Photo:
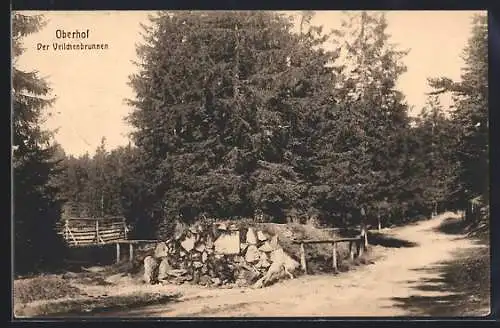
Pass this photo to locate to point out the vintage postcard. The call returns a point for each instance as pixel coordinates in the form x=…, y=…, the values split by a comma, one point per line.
x=250, y=164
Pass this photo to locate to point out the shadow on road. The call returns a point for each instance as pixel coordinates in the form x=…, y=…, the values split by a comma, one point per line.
x=461, y=289
x=376, y=238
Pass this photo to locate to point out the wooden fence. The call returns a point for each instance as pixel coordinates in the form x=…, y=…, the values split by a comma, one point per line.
x=356, y=247
x=79, y=232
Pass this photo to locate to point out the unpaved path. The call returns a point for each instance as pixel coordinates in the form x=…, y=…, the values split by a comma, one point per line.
x=367, y=291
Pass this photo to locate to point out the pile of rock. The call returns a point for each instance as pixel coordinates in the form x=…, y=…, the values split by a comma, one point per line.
x=219, y=254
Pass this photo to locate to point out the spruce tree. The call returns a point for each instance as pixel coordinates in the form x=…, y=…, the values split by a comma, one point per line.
x=221, y=101
x=362, y=153
x=36, y=206
x=470, y=112
x=436, y=156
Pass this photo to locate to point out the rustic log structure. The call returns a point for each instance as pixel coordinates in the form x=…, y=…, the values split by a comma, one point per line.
x=81, y=232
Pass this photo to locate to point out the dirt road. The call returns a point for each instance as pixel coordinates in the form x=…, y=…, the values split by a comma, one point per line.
x=371, y=290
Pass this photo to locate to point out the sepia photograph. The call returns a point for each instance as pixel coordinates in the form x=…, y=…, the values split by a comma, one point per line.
x=170, y=164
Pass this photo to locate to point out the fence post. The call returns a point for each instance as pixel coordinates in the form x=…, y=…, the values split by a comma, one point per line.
x=66, y=230
x=360, y=247
x=334, y=253
x=125, y=229
x=117, y=252
x=351, y=250
x=364, y=234
x=303, y=258
x=97, y=231
x=131, y=252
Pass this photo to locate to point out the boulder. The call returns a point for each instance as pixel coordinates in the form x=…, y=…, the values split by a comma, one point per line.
x=177, y=272
x=188, y=243
x=163, y=269
x=264, y=256
x=200, y=247
x=261, y=236
x=251, y=238
x=266, y=247
x=228, y=243
x=282, y=266
x=204, y=257
x=274, y=242
x=150, y=270
x=280, y=256
x=161, y=250
x=252, y=255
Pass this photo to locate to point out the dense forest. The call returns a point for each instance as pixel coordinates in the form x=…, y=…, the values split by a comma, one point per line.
x=241, y=115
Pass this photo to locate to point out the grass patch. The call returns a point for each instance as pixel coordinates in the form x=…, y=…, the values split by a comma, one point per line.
x=479, y=231
x=471, y=272
x=43, y=288
x=452, y=226
x=88, y=305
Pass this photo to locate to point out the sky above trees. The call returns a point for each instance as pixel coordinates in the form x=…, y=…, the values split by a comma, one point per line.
x=91, y=87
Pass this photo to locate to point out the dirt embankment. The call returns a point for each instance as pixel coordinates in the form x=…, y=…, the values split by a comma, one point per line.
x=412, y=278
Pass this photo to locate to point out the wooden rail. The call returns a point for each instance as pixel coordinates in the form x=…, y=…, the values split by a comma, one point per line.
x=131, y=244
x=356, y=229
x=359, y=242
x=81, y=232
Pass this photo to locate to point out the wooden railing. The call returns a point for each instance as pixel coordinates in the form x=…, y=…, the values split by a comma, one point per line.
x=130, y=244
x=359, y=243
